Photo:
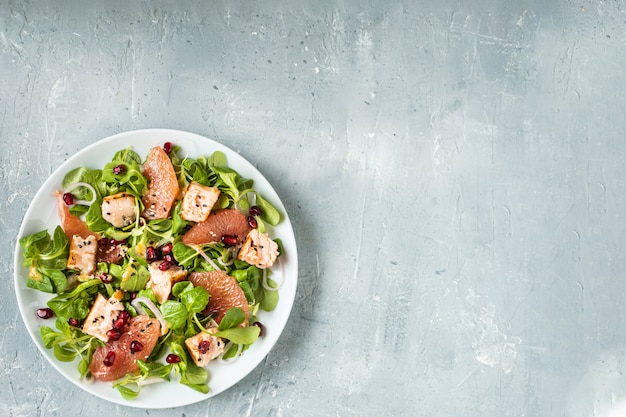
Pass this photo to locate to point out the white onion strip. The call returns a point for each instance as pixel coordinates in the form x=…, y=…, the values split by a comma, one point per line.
x=226, y=349
x=206, y=257
x=232, y=257
x=136, y=303
x=279, y=284
x=82, y=184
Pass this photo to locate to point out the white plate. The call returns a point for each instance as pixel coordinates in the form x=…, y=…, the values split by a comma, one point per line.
x=42, y=215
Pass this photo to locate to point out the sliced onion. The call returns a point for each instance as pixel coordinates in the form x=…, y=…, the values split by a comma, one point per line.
x=206, y=257
x=266, y=285
x=150, y=380
x=82, y=184
x=232, y=257
x=226, y=349
x=251, y=200
x=136, y=303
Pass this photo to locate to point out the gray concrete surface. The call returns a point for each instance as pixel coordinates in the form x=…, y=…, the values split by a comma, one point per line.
x=454, y=173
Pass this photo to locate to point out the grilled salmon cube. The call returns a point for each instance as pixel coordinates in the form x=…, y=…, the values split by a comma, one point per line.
x=83, y=254
x=119, y=209
x=204, y=347
x=102, y=315
x=258, y=249
x=198, y=200
x=161, y=282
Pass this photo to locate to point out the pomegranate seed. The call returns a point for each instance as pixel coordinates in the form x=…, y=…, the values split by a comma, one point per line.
x=255, y=211
x=204, y=346
x=114, y=334
x=136, y=346
x=124, y=315
x=168, y=257
x=167, y=248
x=133, y=295
x=164, y=266
x=167, y=147
x=68, y=198
x=229, y=240
x=73, y=322
x=252, y=222
x=45, y=313
x=118, y=324
x=106, y=278
x=151, y=254
x=116, y=242
x=261, y=327
x=103, y=241
x=119, y=169
x=109, y=359
x=171, y=358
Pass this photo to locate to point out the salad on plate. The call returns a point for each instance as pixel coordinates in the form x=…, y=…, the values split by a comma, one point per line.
x=159, y=266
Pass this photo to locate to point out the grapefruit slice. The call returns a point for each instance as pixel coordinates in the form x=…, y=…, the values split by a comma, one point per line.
x=224, y=293
x=71, y=224
x=229, y=222
x=163, y=187
x=142, y=329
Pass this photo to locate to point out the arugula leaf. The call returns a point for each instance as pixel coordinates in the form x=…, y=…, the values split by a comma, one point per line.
x=76, y=303
x=195, y=299
x=217, y=159
x=68, y=343
x=233, y=318
x=240, y=335
x=46, y=259
x=127, y=156
x=270, y=298
x=146, y=370
x=135, y=276
x=175, y=314
x=94, y=219
x=268, y=211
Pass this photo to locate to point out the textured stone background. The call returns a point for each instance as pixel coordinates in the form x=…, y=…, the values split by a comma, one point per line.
x=454, y=172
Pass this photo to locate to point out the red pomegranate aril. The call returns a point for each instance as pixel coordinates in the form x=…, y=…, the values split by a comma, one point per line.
x=109, y=359
x=118, y=324
x=167, y=147
x=167, y=248
x=106, y=278
x=119, y=169
x=73, y=322
x=229, y=240
x=204, y=346
x=68, y=198
x=116, y=242
x=168, y=257
x=151, y=254
x=103, y=241
x=255, y=211
x=114, y=334
x=124, y=316
x=45, y=313
x=252, y=222
x=136, y=346
x=164, y=266
x=261, y=327
x=171, y=358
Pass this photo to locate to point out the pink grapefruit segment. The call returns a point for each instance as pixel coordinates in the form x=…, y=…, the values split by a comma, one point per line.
x=71, y=224
x=224, y=293
x=163, y=189
x=142, y=329
x=223, y=222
